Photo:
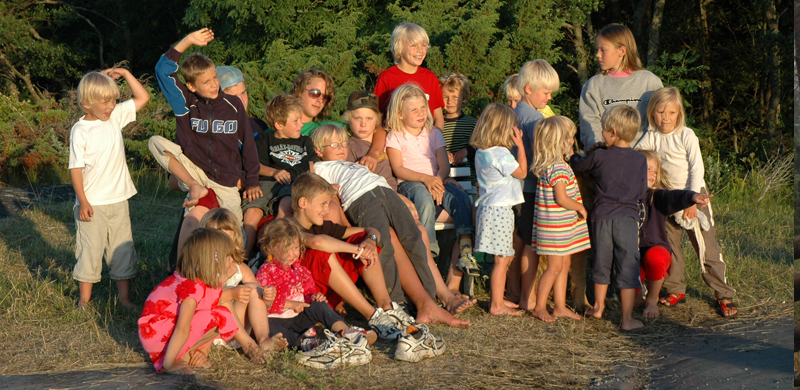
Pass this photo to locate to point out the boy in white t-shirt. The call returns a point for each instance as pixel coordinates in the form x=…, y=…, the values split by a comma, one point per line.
x=102, y=182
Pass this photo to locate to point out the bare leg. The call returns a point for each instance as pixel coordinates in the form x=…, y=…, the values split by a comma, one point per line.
x=560, y=293
x=86, y=293
x=600, y=291
x=497, y=305
x=190, y=222
x=454, y=303
x=514, y=276
x=628, y=322
x=252, y=217
x=555, y=267
x=339, y=326
x=342, y=285
x=196, y=190
x=651, y=302
x=124, y=292
x=529, y=265
x=285, y=208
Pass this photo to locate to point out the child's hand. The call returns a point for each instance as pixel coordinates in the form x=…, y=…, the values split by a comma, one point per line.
x=452, y=181
x=459, y=156
x=85, y=212
x=282, y=177
x=200, y=37
x=268, y=295
x=516, y=136
x=582, y=213
x=367, y=252
x=369, y=162
x=252, y=193
x=701, y=199
x=434, y=183
x=295, y=305
x=690, y=212
x=242, y=294
x=319, y=297
x=116, y=73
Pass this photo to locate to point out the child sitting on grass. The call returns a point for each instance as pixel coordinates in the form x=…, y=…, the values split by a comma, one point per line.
x=242, y=294
x=103, y=183
x=298, y=306
x=181, y=315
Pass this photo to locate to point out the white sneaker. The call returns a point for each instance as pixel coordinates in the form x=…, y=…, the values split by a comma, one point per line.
x=337, y=352
x=220, y=343
x=400, y=316
x=355, y=333
x=387, y=326
x=417, y=343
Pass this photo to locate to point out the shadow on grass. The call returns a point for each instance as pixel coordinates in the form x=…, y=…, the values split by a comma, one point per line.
x=117, y=378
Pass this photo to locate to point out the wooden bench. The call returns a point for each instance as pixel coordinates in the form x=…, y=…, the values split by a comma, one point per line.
x=462, y=176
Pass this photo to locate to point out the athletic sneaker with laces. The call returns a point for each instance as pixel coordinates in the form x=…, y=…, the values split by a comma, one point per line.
x=355, y=332
x=417, y=343
x=338, y=352
x=468, y=264
x=400, y=316
x=386, y=325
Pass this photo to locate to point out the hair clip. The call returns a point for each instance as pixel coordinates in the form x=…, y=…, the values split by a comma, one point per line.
x=216, y=258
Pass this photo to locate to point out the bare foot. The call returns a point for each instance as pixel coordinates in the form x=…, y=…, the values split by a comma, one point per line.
x=255, y=353
x=458, y=304
x=543, y=315
x=339, y=309
x=433, y=314
x=630, y=325
x=504, y=310
x=638, y=301
x=651, y=309
x=196, y=192
x=198, y=359
x=510, y=304
x=274, y=343
x=596, y=312
x=727, y=308
x=567, y=313
x=179, y=368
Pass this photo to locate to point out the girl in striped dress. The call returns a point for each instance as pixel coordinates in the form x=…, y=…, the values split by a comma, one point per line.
x=559, y=219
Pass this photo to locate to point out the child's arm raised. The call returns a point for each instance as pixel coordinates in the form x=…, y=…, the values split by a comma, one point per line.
x=200, y=37
x=140, y=95
x=179, y=337
x=563, y=200
x=522, y=170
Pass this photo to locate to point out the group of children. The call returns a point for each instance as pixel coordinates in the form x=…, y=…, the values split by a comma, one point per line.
x=283, y=217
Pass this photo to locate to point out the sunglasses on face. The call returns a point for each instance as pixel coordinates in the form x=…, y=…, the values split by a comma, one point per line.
x=316, y=94
x=336, y=145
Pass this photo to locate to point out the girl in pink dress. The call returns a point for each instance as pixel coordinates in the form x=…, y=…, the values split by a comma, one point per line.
x=181, y=315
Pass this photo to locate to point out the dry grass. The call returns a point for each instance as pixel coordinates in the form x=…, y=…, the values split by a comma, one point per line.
x=42, y=331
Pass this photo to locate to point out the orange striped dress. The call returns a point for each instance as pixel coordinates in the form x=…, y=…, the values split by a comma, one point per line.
x=556, y=230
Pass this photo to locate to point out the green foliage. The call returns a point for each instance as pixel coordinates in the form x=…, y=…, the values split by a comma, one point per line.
x=679, y=70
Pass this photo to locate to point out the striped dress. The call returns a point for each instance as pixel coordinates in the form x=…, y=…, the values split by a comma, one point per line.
x=556, y=230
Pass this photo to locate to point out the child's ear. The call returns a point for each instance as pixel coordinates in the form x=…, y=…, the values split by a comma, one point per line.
x=528, y=90
x=277, y=126
x=191, y=87
x=319, y=153
x=302, y=202
x=623, y=50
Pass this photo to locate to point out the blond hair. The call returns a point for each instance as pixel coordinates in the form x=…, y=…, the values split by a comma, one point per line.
x=495, y=127
x=279, y=235
x=619, y=36
x=321, y=135
x=399, y=97
x=662, y=182
x=624, y=119
x=302, y=81
x=280, y=107
x=666, y=96
x=96, y=87
x=309, y=185
x=537, y=74
x=203, y=256
x=510, y=87
x=195, y=65
x=415, y=34
x=552, y=137
x=223, y=219
x=455, y=82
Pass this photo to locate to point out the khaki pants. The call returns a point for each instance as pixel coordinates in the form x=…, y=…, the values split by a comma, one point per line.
x=107, y=235
x=715, y=267
x=228, y=197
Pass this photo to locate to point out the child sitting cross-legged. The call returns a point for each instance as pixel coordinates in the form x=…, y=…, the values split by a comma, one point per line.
x=298, y=306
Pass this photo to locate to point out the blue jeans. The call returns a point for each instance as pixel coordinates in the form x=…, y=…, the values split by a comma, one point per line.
x=455, y=201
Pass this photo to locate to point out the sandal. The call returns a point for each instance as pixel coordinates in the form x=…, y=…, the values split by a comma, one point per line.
x=723, y=307
x=672, y=300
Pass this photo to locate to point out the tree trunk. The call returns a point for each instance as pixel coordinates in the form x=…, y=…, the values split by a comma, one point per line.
x=639, y=13
x=655, y=29
x=583, y=58
x=707, y=91
x=774, y=69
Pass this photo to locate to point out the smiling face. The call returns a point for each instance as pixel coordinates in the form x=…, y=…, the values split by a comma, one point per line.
x=206, y=85
x=652, y=173
x=100, y=110
x=666, y=117
x=362, y=123
x=313, y=212
x=452, y=102
x=331, y=153
x=288, y=254
x=539, y=98
x=239, y=91
x=412, y=54
x=313, y=106
x=609, y=56
x=414, y=114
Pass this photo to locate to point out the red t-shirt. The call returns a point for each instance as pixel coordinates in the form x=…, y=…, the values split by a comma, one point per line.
x=393, y=77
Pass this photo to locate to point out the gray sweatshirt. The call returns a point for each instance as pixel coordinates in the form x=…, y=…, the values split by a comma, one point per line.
x=603, y=92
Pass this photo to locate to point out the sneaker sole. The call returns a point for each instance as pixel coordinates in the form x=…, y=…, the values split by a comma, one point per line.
x=352, y=360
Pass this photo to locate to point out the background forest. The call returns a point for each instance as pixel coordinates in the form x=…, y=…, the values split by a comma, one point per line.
x=732, y=60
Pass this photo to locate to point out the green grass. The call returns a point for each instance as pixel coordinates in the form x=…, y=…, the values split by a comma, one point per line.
x=43, y=331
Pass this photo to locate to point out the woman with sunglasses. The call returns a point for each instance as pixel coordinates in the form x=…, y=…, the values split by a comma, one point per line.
x=315, y=90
